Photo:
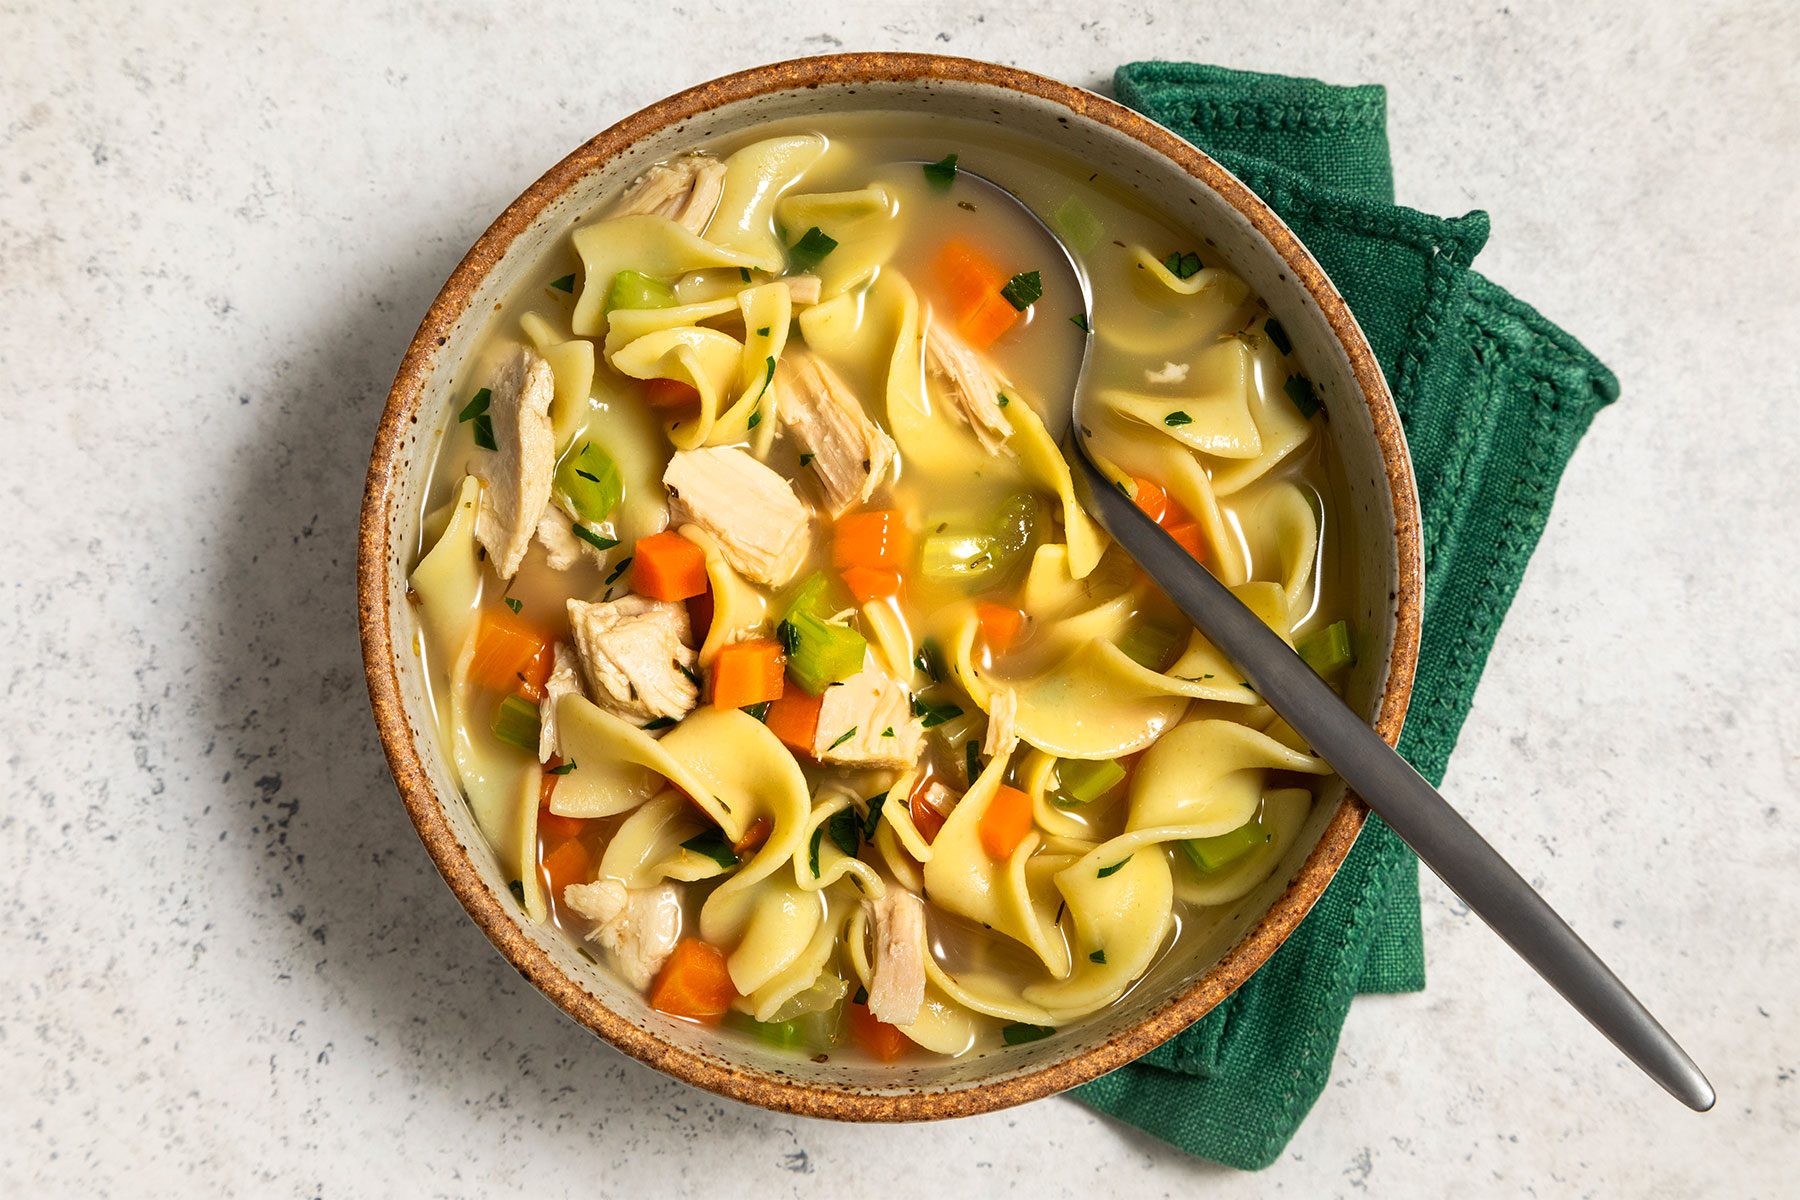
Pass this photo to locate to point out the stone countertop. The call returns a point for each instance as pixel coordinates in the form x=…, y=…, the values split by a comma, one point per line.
x=230, y=968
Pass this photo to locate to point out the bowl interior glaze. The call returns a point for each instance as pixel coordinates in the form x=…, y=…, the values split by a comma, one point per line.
x=1197, y=194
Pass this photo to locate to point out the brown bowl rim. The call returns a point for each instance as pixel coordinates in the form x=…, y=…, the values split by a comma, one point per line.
x=453, y=862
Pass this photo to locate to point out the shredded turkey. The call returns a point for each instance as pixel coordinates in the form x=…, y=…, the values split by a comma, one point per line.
x=897, y=971
x=970, y=383
x=1002, y=734
x=636, y=655
x=850, y=454
x=563, y=548
x=518, y=471
x=565, y=679
x=686, y=191
x=637, y=927
x=762, y=528
x=867, y=721
x=803, y=289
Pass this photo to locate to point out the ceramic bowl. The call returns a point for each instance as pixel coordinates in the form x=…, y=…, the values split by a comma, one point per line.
x=1196, y=192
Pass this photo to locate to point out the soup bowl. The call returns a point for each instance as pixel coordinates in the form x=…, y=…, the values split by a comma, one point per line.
x=1381, y=526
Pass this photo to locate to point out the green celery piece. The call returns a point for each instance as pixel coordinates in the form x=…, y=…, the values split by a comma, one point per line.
x=589, y=479
x=1328, y=649
x=1078, y=224
x=634, y=289
x=818, y=596
x=786, y=1035
x=1212, y=854
x=1151, y=646
x=822, y=653
x=1083, y=781
x=516, y=723
x=822, y=995
x=979, y=555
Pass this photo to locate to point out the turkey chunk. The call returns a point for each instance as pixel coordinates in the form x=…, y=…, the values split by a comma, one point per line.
x=1002, y=734
x=867, y=721
x=565, y=679
x=761, y=526
x=518, y=472
x=851, y=454
x=970, y=383
x=897, y=972
x=635, y=653
x=803, y=289
x=686, y=191
x=637, y=927
x=563, y=548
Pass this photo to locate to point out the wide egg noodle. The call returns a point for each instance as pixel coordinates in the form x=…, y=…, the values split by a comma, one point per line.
x=739, y=609
x=1136, y=449
x=627, y=325
x=572, y=363
x=834, y=864
x=1119, y=916
x=768, y=926
x=767, y=310
x=1280, y=423
x=1210, y=411
x=1283, y=812
x=756, y=177
x=647, y=848
x=805, y=968
x=1045, y=464
x=942, y=1026
x=964, y=879
x=1207, y=777
x=646, y=243
x=865, y=223
x=1281, y=530
x=447, y=581
x=702, y=358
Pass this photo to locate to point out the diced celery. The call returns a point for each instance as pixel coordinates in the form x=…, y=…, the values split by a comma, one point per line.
x=825, y=993
x=975, y=555
x=787, y=1035
x=589, y=478
x=516, y=723
x=1078, y=224
x=821, y=653
x=1216, y=853
x=1083, y=781
x=1151, y=645
x=1328, y=649
x=634, y=289
x=818, y=595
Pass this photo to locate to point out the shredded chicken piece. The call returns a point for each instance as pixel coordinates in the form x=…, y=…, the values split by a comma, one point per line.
x=803, y=289
x=851, y=454
x=565, y=678
x=635, y=652
x=897, y=972
x=1169, y=372
x=867, y=721
x=562, y=548
x=971, y=384
x=686, y=191
x=762, y=528
x=1002, y=734
x=637, y=927
x=518, y=472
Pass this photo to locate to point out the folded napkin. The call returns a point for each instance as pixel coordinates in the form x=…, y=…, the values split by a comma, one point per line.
x=1494, y=399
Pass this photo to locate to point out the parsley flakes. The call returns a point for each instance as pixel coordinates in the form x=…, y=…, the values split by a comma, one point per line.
x=1023, y=290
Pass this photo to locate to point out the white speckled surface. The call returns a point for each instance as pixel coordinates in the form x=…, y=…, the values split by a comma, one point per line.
x=229, y=967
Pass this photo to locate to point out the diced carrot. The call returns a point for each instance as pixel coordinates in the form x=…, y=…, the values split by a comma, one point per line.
x=1000, y=624
x=754, y=837
x=1005, y=822
x=871, y=583
x=666, y=566
x=927, y=818
x=547, y=782
x=971, y=283
x=700, y=615
x=536, y=674
x=670, y=396
x=566, y=862
x=1190, y=537
x=1150, y=496
x=746, y=673
x=553, y=828
x=506, y=646
x=876, y=539
x=693, y=983
x=877, y=1038
x=794, y=718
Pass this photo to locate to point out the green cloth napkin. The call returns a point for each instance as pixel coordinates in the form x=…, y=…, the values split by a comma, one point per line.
x=1494, y=399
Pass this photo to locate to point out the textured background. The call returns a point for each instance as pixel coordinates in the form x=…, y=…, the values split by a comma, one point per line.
x=228, y=966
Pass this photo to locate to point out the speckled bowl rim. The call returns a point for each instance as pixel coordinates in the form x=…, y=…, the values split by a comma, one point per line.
x=374, y=561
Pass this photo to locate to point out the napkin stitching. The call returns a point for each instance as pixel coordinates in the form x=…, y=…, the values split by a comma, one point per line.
x=1462, y=459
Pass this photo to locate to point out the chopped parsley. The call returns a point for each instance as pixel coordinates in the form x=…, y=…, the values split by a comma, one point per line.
x=565, y=284
x=811, y=249
x=1019, y=1034
x=1182, y=266
x=598, y=541
x=762, y=331
x=1103, y=872
x=931, y=715
x=845, y=830
x=513, y=604
x=874, y=817
x=888, y=732
x=744, y=274
x=755, y=417
x=562, y=770
x=861, y=997
x=972, y=760
x=712, y=844
x=813, y=851
x=768, y=374
x=759, y=711
x=484, y=432
x=477, y=405
x=942, y=173
x=660, y=723
x=1098, y=956
x=624, y=564
x=927, y=661
x=789, y=636
x=1300, y=391
x=1080, y=321
x=693, y=676
x=1276, y=334
x=806, y=459
x=1177, y=418
x=841, y=739
x=1023, y=290
x=1002, y=399
x=517, y=889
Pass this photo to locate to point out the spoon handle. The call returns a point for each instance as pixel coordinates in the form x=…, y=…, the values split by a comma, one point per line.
x=1440, y=836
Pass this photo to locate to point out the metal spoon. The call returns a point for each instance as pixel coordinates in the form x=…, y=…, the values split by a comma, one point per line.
x=1440, y=836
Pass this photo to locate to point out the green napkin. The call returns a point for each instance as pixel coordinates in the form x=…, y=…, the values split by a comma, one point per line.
x=1494, y=399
